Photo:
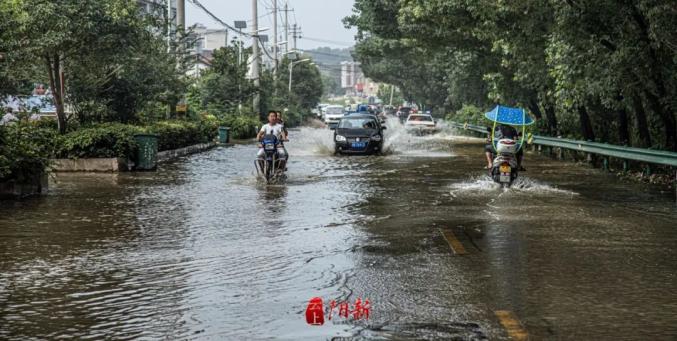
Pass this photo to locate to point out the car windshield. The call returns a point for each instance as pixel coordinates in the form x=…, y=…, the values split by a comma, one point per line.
x=421, y=118
x=358, y=123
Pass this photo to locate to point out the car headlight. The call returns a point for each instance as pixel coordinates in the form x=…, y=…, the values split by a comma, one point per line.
x=376, y=138
x=340, y=138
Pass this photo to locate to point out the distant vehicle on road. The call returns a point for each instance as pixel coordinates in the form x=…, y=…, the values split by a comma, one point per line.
x=389, y=110
x=420, y=124
x=333, y=114
x=359, y=134
x=403, y=113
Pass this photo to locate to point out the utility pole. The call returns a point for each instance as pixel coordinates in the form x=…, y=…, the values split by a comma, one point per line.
x=294, y=32
x=169, y=26
x=286, y=26
x=255, y=59
x=181, y=15
x=275, y=38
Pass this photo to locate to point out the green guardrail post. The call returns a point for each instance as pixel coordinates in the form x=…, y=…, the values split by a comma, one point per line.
x=647, y=170
x=626, y=166
x=224, y=135
x=146, y=154
x=605, y=163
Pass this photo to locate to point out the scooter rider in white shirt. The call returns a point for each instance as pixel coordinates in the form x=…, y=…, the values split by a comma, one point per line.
x=273, y=128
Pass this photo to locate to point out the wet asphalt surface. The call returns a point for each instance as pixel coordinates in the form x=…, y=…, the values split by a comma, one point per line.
x=203, y=250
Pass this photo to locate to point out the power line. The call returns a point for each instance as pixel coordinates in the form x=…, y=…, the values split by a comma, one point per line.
x=324, y=53
x=201, y=6
x=328, y=41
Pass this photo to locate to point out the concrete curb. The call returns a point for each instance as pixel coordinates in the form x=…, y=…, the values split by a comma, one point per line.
x=112, y=165
x=168, y=155
x=104, y=165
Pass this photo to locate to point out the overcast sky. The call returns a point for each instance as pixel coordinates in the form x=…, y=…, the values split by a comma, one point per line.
x=319, y=19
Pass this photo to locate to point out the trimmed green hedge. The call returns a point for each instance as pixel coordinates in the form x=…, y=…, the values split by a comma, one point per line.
x=179, y=134
x=99, y=141
x=109, y=140
x=25, y=148
x=24, y=151
x=241, y=126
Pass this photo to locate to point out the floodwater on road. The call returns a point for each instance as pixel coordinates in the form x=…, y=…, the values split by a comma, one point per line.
x=202, y=250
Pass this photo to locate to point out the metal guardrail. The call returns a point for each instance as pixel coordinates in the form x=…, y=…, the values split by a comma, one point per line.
x=608, y=150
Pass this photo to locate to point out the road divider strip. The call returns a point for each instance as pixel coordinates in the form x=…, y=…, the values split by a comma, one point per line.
x=512, y=325
x=454, y=243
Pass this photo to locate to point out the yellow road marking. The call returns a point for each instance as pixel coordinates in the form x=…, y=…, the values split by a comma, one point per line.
x=454, y=243
x=512, y=325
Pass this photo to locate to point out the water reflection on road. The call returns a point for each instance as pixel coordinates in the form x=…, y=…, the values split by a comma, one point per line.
x=201, y=249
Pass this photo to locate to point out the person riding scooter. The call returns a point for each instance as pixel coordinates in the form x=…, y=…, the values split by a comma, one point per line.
x=286, y=136
x=502, y=131
x=273, y=128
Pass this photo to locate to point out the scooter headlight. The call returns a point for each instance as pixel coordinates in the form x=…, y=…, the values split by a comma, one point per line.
x=376, y=138
x=340, y=138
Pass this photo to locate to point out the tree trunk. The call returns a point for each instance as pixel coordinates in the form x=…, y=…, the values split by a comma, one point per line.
x=654, y=100
x=623, y=133
x=642, y=124
x=54, y=70
x=586, y=125
x=667, y=118
x=552, y=118
x=536, y=110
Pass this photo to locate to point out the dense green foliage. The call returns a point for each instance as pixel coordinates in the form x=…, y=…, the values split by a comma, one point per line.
x=178, y=134
x=241, y=126
x=24, y=151
x=592, y=69
x=107, y=140
x=467, y=114
x=112, y=60
x=99, y=141
x=224, y=88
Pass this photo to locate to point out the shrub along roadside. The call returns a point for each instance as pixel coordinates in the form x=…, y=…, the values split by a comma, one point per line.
x=468, y=114
x=24, y=151
x=25, y=148
x=179, y=134
x=241, y=126
x=117, y=140
x=105, y=140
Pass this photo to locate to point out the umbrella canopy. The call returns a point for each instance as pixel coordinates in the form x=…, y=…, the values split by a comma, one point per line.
x=511, y=116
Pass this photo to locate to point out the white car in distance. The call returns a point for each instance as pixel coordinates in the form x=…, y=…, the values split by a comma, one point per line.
x=420, y=124
x=333, y=114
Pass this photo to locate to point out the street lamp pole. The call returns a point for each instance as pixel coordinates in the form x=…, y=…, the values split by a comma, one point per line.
x=255, y=57
x=275, y=47
x=291, y=68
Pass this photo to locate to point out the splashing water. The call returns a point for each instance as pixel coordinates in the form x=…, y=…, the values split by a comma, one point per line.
x=319, y=141
x=400, y=142
x=307, y=141
x=483, y=185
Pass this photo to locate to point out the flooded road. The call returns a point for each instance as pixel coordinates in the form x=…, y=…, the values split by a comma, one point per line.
x=202, y=250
